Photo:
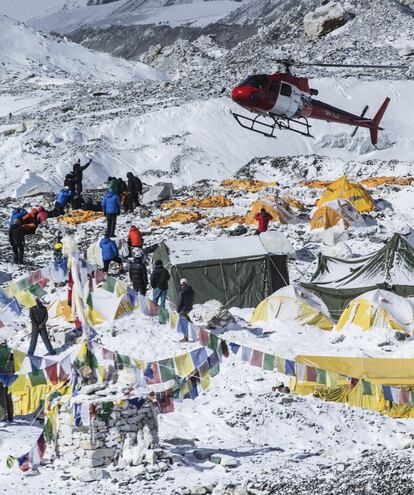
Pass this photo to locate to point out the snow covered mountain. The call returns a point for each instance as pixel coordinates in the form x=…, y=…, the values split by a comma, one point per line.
x=28, y=53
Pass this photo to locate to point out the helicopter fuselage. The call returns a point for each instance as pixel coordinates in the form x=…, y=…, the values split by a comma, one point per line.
x=284, y=96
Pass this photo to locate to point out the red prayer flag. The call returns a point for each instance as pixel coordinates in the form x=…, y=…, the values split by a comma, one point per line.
x=153, y=308
x=312, y=374
x=203, y=335
x=404, y=396
x=52, y=373
x=257, y=358
x=156, y=372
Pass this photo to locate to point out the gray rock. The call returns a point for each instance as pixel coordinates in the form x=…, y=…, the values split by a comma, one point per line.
x=159, y=192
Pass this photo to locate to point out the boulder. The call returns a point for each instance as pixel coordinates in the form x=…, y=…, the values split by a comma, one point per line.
x=407, y=3
x=325, y=19
x=158, y=192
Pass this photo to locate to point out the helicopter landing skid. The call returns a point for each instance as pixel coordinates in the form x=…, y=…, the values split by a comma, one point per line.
x=279, y=123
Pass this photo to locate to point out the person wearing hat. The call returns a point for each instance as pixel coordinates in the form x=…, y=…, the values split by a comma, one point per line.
x=39, y=316
x=6, y=373
x=185, y=300
x=159, y=283
x=138, y=275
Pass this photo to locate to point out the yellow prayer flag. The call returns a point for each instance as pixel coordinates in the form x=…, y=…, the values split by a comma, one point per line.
x=184, y=364
x=173, y=320
x=139, y=363
x=205, y=378
x=18, y=385
x=25, y=299
x=18, y=357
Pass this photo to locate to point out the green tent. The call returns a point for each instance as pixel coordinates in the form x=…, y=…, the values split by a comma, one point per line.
x=236, y=271
x=337, y=281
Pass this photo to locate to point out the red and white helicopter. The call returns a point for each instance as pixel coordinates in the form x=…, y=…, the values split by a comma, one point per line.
x=288, y=102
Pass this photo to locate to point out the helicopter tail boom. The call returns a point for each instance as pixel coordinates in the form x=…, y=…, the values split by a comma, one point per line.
x=376, y=121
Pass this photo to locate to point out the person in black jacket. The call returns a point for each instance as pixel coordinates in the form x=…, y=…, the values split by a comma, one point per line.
x=159, y=282
x=6, y=371
x=78, y=173
x=134, y=190
x=185, y=299
x=38, y=317
x=16, y=238
x=70, y=181
x=138, y=275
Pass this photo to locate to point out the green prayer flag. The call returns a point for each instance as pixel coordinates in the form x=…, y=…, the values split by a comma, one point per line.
x=10, y=461
x=213, y=342
x=48, y=431
x=167, y=369
x=4, y=358
x=36, y=290
x=122, y=359
x=89, y=300
x=23, y=284
x=366, y=388
x=163, y=315
x=109, y=284
x=321, y=376
x=37, y=377
x=412, y=397
x=268, y=362
x=105, y=411
x=215, y=370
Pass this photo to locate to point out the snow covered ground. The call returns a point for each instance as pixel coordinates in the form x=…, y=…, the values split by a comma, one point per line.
x=67, y=102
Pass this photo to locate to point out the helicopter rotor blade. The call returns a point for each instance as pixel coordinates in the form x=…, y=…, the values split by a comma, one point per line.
x=356, y=66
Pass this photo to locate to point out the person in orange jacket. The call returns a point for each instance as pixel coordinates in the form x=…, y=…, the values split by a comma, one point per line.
x=30, y=222
x=135, y=239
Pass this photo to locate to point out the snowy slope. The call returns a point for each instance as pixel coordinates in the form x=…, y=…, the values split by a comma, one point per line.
x=22, y=10
x=28, y=53
x=68, y=15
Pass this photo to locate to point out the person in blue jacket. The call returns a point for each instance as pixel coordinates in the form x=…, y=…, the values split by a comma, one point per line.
x=110, y=253
x=111, y=205
x=62, y=199
x=17, y=214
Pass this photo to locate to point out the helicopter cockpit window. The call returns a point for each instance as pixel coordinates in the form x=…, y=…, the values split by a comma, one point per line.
x=259, y=82
x=285, y=90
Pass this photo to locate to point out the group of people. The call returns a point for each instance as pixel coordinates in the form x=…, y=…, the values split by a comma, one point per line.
x=120, y=196
x=22, y=223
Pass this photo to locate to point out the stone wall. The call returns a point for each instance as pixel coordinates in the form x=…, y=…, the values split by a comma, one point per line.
x=128, y=437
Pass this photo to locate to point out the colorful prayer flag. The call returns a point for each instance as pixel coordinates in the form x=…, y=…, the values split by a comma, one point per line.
x=167, y=369
x=184, y=364
x=257, y=358
x=37, y=378
x=268, y=362
x=199, y=357
x=366, y=388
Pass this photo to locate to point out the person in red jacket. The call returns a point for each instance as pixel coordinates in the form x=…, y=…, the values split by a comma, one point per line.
x=134, y=238
x=263, y=219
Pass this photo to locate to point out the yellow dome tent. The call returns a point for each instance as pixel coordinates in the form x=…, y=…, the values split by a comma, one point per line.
x=294, y=303
x=275, y=206
x=351, y=191
x=333, y=212
x=378, y=309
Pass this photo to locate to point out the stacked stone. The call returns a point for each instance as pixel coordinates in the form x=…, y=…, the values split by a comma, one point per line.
x=88, y=449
